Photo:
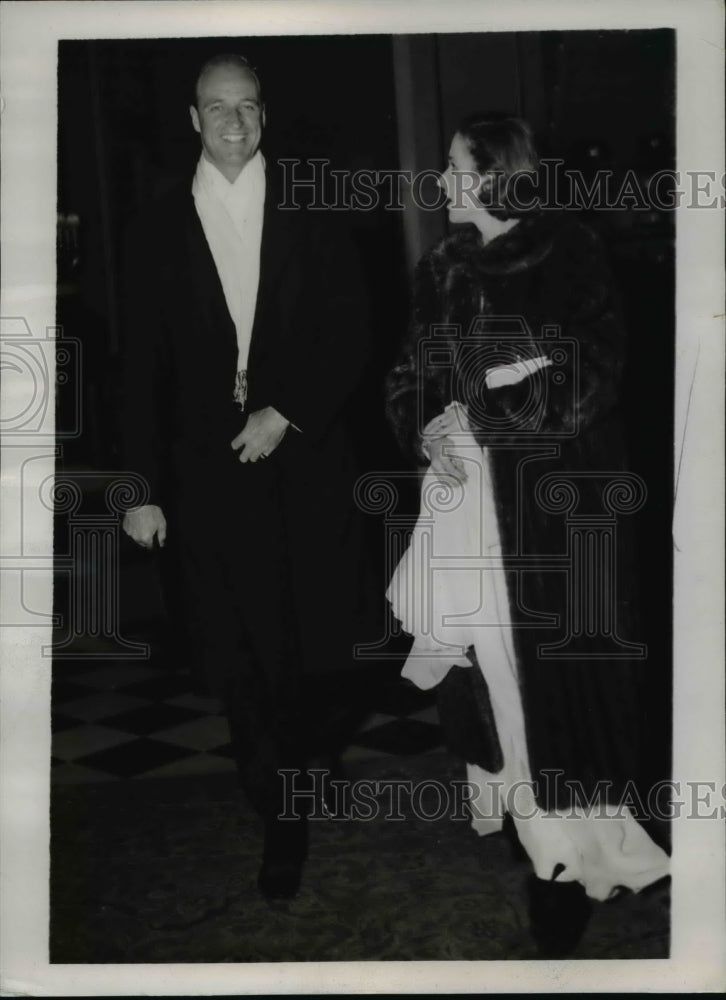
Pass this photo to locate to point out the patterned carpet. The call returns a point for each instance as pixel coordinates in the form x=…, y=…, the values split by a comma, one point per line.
x=164, y=871
x=154, y=851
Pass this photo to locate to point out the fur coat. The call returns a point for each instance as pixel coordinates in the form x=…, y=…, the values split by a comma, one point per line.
x=562, y=489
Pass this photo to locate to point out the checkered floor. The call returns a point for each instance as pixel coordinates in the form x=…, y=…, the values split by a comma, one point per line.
x=125, y=719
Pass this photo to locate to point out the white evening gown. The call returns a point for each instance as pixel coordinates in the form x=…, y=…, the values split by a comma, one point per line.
x=449, y=592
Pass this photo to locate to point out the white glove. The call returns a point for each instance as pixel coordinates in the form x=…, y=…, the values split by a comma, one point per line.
x=503, y=375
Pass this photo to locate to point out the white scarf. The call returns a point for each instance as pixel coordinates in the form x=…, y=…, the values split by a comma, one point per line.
x=231, y=217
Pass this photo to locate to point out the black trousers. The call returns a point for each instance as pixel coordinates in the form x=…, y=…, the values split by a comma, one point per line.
x=232, y=552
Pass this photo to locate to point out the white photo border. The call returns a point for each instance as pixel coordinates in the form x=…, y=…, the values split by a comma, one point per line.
x=30, y=35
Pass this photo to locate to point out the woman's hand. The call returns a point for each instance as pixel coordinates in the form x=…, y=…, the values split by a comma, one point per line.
x=443, y=462
x=438, y=444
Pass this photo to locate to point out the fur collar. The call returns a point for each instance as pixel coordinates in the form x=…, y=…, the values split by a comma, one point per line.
x=522, y=247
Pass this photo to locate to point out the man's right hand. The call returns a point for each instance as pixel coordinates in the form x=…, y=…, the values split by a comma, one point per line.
x=143, y=523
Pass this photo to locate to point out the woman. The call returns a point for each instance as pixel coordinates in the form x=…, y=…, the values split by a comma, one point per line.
x=516, y=585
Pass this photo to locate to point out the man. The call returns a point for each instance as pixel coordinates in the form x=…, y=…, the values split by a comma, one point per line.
x=243, y=338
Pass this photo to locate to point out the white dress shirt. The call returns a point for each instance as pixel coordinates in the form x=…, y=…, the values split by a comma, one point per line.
x=231, y=216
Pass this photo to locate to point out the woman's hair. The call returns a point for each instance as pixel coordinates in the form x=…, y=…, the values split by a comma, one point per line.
x=503, y=148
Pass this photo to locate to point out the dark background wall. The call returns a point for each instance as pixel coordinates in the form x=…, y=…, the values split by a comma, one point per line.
x=600, y=99
x=125, y=134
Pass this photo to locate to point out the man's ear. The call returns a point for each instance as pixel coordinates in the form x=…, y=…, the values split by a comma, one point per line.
x=195, y=118
x=264, y=116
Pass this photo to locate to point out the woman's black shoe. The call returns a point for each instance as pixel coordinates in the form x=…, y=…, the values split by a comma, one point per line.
x=559, y=913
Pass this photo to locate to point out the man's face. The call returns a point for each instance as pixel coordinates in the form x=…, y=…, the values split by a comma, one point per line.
x=229, y=118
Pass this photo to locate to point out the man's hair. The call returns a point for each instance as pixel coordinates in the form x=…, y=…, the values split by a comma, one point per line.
x=225, y=59
x=502, y=145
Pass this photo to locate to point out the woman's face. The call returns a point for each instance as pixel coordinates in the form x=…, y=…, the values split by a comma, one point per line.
x=460, y=182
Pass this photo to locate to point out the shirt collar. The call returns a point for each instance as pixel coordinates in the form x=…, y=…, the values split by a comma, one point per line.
x=243, y=182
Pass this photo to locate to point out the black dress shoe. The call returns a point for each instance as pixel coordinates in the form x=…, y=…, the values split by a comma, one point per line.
x=559, y=913
x=284, y=854
x=279, y=879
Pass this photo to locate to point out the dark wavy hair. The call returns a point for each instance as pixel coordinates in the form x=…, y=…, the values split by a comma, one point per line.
x=504, y=152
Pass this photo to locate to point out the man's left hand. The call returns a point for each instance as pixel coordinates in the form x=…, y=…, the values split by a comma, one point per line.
x=261, y=435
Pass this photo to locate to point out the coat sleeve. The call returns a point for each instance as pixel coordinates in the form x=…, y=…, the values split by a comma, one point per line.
x=576, y=295
x=322, y=367
x=142, y=381
x=414, y=393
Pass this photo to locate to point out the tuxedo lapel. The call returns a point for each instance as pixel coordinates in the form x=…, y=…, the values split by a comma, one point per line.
x=204, y=280
x=279, y=230
x=279, y=237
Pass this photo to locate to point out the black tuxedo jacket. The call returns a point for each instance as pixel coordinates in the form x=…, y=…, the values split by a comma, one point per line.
x=309, y=341
x=308, y=349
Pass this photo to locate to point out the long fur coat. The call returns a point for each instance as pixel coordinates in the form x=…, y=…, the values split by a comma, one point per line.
x=562, y=490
